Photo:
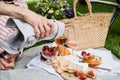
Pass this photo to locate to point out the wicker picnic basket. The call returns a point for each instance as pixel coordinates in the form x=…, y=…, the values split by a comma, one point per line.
x=89, y=30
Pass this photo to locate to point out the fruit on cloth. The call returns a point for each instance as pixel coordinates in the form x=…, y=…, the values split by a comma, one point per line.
x=45, y=48
x=83, y=53
x=63, y=51
x=49, y=51
x=91, y=74
x=83, y=76
x=91, y=59
x=77, y=73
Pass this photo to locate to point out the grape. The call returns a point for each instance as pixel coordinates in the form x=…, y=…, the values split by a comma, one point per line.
x=45, y=48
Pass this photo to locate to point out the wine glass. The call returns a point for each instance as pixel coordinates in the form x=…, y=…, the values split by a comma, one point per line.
x=61, y=40
x=72, y=44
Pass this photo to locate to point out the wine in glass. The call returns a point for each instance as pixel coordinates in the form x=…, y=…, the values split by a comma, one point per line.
x=72, y=44
x=61, y=40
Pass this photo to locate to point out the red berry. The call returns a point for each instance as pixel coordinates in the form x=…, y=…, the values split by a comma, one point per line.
x=91, y=73
x=54, y=49
x=83, y=76
x=53, y=53
x=46, y=52
x=49, y=54
x=88, y=54
x=50, y=49
x=45, y=48
x=77, y=73
x=83, y=53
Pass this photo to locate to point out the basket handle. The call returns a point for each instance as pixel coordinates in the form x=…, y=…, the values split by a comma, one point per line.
x=88, y=4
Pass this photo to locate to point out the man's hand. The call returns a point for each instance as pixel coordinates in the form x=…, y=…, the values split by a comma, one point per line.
x=8, y=62
x=42, y=26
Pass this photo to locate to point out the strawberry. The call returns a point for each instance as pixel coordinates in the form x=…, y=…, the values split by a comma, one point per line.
x=77, y=73
x=45, y=48
x=55, y=49
x=49, y=54
x=54, y=53
x=46, y=52
x=88, y=54
x=83, y=76
x=83, y=53
x=91, y=73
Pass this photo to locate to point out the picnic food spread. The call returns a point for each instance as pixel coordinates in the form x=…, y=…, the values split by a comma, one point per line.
x=63, y=61
x=92, y=60
x=70, y=70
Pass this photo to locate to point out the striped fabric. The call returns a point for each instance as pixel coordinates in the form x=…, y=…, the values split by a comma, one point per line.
x=4, y=31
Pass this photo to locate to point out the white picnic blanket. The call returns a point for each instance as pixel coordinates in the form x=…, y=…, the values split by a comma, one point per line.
x=20, y=72
x=35, y=71
x=109, y=62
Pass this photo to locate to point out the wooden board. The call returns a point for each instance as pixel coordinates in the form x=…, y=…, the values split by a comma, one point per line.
x=71, y=76
x=68, y=76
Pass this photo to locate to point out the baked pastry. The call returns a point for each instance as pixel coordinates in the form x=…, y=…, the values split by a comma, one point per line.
x=63, y=51
x=92, y=60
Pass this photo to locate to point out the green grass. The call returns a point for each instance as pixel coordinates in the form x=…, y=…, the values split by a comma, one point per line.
x=31, y=5
x=113, y=37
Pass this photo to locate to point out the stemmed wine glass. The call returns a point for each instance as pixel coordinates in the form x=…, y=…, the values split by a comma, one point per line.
x=61, y=40
x=72, y=44
x=67, y=43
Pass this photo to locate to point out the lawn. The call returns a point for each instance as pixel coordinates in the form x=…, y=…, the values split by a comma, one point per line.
x=113, y=37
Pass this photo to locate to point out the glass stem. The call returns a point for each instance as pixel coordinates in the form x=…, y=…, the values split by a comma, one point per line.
x=72, y=51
